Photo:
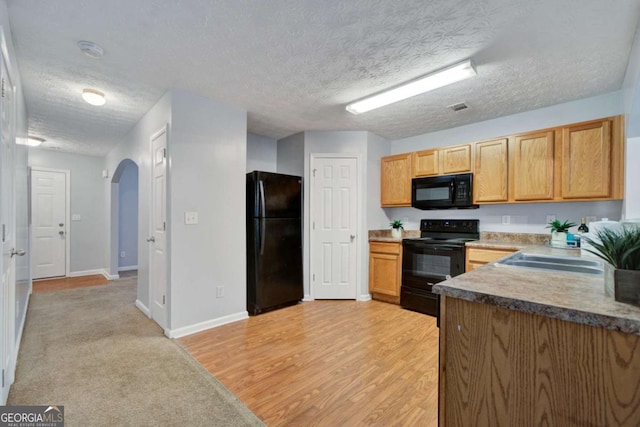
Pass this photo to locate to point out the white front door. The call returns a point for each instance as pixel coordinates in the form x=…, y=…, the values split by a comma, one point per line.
x=7, y=234
x=334, y=201
x=49, y=222
x=158, y=255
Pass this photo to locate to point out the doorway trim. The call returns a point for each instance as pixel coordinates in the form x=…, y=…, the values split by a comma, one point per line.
x=67, y=207
x=360, y=223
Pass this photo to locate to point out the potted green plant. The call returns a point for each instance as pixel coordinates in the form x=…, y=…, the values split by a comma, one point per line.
x=621, y=251
x=559, y=231
x=396, y=228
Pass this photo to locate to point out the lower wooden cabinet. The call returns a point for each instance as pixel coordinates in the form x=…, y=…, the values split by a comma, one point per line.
x=476, y=257
x=385, y=271
x=500, y=367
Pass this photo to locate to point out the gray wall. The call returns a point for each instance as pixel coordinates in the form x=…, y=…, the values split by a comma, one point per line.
x=525, y=218
x=88, y=237
x=262, y=153
x=128, y=217
x=290, y=156
x=631, y=93
x=208, y=152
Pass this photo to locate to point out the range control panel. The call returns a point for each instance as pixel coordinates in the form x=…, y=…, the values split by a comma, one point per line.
x=450, y=225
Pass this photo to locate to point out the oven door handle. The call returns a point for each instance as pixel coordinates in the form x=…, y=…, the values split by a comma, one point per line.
x=437, y=246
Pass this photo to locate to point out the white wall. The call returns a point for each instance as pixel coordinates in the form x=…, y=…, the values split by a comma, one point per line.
x=631, y=93
x=262, y=153
x=525, y=218
x=377, y=147
x=128, y=217
x=208, y=152
x=88, y=236
x=135, y=146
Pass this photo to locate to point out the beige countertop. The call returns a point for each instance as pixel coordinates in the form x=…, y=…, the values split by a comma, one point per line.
x=567, y=296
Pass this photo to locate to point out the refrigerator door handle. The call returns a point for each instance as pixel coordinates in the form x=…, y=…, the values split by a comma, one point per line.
x=262, y=208
x=262, y=235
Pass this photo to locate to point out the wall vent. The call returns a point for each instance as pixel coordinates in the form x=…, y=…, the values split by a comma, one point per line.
x=459, y=106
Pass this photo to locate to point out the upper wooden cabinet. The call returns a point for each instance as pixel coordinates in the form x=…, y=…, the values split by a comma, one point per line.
x=442, y=161
x=586, y=160
x=426, y=163
x=491, y=171
x=531, y=174
x=456, y=159
x=395, y=180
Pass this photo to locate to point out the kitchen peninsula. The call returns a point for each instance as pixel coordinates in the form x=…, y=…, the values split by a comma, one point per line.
x=530, y=347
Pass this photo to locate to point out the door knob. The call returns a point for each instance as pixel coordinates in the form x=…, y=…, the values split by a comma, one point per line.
x=353, y=236
x=61, y=233
x=61, y=224
x=151, y=239
x=19, y=252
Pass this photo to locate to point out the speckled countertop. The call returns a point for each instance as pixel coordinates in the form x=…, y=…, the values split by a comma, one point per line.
x=385, y=235
x=567, y=296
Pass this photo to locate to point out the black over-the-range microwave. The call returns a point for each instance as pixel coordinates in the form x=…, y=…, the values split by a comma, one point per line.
x=443, y=192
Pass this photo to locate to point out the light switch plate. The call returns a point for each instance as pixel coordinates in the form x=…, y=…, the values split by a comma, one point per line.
x=191, y=218
x=75, y=217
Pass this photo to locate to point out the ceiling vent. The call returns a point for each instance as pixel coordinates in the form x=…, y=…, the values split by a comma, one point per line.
x=458, y=107
x=91, y=49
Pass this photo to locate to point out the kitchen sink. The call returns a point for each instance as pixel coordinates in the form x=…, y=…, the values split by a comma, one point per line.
x=553, y=263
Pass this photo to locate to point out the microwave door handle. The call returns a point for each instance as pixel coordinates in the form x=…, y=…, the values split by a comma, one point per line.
x=452, y=192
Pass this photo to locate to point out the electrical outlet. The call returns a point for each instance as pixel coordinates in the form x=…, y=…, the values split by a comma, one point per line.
x=506, y=219
x=590, y=219
x=191, y=218
x=219, y=291
x=551, y=218
x=122, y=254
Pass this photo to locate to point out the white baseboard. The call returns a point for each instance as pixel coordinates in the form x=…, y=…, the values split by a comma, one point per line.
x=102, y=271
x=143, y=308
x=364, y=297
x=128, y=268
x=308, y=298
x=202, y=326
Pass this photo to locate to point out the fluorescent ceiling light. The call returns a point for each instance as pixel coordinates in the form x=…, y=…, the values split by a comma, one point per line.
x=93, y=97
x=32, y=141
x=423, y=84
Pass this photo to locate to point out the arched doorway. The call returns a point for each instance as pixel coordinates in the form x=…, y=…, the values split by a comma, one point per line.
x=124, y=218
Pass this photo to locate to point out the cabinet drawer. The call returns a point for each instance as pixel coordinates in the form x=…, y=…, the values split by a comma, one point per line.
x=385, y=247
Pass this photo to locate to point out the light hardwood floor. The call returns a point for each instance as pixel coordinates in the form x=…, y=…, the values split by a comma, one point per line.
x=48, y=285
x=328, y=363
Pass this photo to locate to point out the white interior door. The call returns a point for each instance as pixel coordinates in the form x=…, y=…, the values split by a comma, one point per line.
x=8, y=235
x=49, y=221
x=157, y=240
x=334, y=202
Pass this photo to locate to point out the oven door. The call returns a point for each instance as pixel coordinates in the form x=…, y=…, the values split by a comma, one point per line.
x=425, y=263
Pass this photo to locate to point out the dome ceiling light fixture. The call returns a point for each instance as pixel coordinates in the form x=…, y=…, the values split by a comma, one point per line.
x=94, y=97
x=32, y=141
x=91, y=49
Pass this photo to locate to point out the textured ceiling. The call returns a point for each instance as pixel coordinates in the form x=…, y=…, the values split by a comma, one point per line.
x=294, y=64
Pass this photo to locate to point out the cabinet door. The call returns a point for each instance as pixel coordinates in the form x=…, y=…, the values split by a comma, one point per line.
x=395, y=180
x=586, y=160
x=385, y=268
x=456, y=159
x=490, y=173
x=426, y=163
x=532, y=170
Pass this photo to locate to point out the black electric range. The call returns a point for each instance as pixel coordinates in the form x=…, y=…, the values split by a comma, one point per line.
x=437, y=255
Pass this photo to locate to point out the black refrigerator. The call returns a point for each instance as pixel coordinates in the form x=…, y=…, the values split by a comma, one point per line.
x=274, y=241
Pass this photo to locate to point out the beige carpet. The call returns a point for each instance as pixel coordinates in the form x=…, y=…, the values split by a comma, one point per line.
x=92, y=351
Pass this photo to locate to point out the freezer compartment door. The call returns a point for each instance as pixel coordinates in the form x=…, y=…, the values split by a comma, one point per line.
x=272, y=195
x=277, y=259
